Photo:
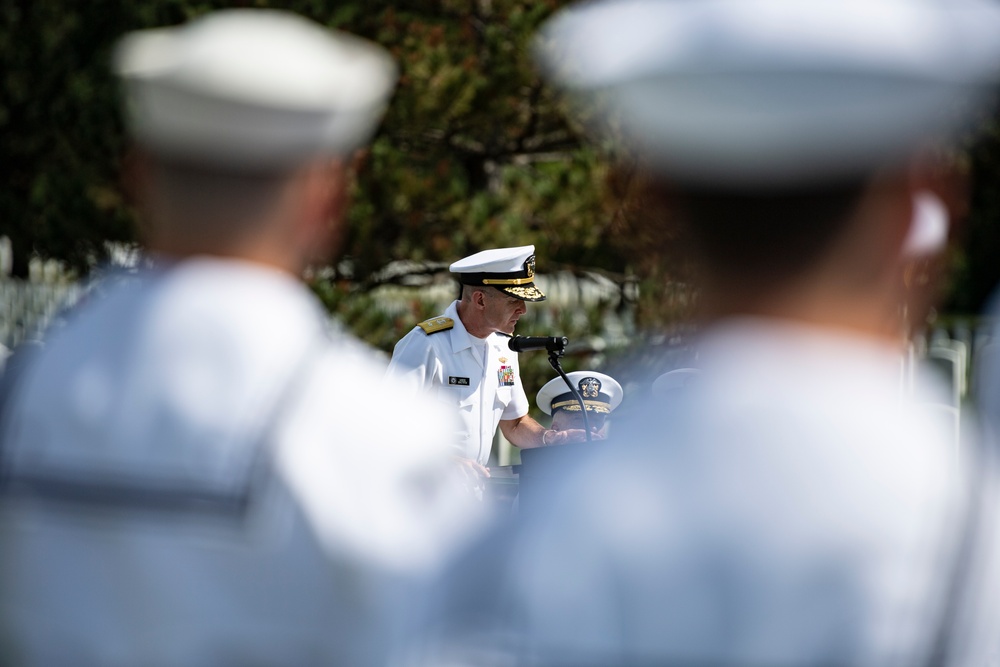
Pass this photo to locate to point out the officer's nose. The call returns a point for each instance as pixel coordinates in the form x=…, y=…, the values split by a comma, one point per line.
x=521, y=308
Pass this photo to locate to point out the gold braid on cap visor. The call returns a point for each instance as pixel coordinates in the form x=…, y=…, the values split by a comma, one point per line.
x=574, y=406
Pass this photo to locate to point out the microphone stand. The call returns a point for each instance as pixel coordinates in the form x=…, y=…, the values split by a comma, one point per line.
x=554, y=362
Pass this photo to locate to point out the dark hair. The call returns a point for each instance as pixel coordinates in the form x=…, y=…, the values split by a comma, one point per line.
x=764, y=234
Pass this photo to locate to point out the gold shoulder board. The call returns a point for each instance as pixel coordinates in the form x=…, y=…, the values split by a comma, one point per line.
x=436, y=324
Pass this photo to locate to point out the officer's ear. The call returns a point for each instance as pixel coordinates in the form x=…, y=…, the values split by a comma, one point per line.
x=479, y=298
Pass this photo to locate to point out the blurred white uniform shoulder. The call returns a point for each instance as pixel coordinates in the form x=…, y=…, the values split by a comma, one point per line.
x=197, y=470
x=791, y=505
x=218, y=434
x=727, y=499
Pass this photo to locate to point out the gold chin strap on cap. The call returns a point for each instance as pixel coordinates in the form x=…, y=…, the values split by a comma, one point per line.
x=573, y=406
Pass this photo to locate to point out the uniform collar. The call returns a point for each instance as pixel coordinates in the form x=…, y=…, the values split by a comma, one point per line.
x=461, y=339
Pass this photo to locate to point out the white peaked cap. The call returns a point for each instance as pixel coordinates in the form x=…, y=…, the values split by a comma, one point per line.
x=494, y=260
x=556, y=395
x=253, y=87
x=510, y=270
x=773, y=91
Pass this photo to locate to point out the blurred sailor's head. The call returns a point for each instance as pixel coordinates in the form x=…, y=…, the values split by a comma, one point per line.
x=600, y=393
x=247, y=122
x=780, y=134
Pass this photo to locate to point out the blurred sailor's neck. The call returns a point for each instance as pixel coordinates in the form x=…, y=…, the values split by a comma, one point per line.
x=856, y=286
x=296, y=220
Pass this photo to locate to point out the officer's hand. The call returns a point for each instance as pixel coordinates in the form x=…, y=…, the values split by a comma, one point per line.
x=570, y=436
x=472, y=468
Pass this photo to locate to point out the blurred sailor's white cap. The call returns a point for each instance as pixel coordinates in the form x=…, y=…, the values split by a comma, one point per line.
x=253, y=87
x=767, y=91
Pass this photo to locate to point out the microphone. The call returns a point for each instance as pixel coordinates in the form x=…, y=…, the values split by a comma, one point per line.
x=528, y=343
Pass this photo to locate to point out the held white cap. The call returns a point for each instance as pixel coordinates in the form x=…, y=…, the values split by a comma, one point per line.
x=601, y=393
x=774, y=91
x=253, y=87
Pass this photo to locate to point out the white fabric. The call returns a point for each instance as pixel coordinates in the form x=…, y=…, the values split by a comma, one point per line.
x=789, y=508
x=175, y=381
x=426, y=362
x=494, y=260
x=773, y=91
x=253, y=87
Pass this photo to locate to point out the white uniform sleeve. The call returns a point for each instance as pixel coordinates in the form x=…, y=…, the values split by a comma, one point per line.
x=379, y=480
x=413, y=361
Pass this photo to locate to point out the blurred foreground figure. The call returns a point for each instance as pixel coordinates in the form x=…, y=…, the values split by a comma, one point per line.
x=793, y=505
x=194, y=471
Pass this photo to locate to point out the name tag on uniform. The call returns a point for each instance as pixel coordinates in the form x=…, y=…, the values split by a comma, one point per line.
x=458, y=381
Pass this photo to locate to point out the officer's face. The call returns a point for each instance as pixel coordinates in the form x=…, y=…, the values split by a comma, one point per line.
x=564, y=420
x=503, y=311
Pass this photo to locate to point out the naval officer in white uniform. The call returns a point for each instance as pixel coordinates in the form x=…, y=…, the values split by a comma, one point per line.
x=462, y=359
x=191, y=472
x=794, y=505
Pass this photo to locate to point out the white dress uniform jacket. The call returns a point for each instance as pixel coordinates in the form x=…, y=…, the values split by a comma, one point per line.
x=197, y=471
x=450, y=366
x=793, y=507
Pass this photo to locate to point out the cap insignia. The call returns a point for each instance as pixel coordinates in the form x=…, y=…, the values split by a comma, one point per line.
x=590, y=387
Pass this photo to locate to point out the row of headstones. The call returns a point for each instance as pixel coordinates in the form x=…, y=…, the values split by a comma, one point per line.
x=6, y=257
x=953, y=352
x=39, y=270
x=27, y=308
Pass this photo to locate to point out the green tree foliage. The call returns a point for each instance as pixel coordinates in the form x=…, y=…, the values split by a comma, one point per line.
x=474, y=151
